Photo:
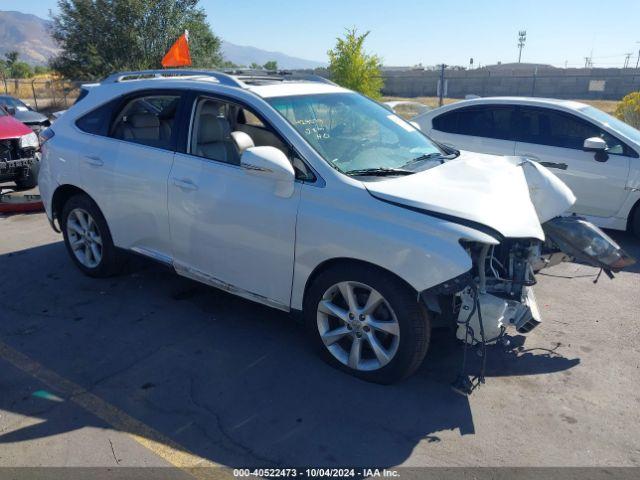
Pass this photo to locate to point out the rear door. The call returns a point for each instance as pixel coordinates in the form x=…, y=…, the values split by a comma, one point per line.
x=478, y=128
x=555, y=139
x=125, y=166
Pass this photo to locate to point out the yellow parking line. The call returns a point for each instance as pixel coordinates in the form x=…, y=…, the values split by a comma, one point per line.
x=146, y=436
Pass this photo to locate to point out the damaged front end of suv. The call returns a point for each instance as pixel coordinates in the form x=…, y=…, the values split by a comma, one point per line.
x=524, y=208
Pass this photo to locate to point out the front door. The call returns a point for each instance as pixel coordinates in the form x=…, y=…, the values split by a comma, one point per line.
x=555, y=139
x=230, y=228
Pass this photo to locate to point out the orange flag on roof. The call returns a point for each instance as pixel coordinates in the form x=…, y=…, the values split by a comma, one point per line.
x=178, y=55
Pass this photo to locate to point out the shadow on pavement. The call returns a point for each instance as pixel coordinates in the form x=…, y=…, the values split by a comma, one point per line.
x=229, y=380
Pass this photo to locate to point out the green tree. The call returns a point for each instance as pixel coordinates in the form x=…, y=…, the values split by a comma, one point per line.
x=353, y=68
x=40, y=70
x=271, y=65
x=98, y=37
x=255, y=66
x=11, y=57
x=20, y=70
x=13, y=68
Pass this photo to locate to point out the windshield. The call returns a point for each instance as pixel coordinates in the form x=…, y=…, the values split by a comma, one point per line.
x=354, y=133
x=613, y=123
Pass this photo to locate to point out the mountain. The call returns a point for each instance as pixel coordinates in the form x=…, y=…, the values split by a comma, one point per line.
x=245, y=55
x=28, y=35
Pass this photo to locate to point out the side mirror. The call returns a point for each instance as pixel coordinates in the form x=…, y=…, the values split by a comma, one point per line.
x=594, y=144
x=270, y=162
x=11, y=110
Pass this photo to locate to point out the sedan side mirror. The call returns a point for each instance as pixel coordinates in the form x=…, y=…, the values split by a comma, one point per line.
x=594, y=144
x=598, y=146
x=270, y=162
x=11, y=110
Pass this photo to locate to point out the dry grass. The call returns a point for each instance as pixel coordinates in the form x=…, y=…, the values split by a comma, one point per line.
x=607, y=106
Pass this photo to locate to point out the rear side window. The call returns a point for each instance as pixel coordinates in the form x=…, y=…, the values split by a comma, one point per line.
x=482, y=121
x=147, y=120
x=96, y=121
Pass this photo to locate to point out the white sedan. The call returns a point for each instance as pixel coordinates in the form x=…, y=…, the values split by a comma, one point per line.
x=595, y=154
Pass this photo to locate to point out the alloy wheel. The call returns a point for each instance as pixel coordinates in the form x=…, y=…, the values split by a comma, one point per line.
x=84, y=237
x=358, y=326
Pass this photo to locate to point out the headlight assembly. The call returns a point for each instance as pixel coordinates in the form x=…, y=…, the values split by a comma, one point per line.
x=30, y=140
x=582, y=240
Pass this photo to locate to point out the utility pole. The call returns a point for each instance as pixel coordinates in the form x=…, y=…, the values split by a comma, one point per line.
x=522, y=37
x=627, y=57
x=441, y=89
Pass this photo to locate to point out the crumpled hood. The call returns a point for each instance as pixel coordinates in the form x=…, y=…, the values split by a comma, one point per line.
x=511, y=195
x=28, y=116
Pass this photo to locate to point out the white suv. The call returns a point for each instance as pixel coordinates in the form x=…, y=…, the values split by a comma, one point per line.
x=306, y=196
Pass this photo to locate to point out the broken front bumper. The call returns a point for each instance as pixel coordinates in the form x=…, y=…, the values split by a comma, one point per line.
x=497, y=315
x=9, y=169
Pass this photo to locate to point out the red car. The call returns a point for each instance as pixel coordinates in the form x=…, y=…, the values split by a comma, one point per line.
x=19, y=156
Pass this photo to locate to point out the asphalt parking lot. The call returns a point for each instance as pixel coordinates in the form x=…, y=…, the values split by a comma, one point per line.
x=151, y=369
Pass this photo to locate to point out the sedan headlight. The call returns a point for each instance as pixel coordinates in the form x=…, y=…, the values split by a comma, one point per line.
x=30, y=140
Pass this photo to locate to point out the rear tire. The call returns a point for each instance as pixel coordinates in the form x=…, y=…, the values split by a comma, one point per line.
x=88, y=239
x=30, y=179
x=390, y=340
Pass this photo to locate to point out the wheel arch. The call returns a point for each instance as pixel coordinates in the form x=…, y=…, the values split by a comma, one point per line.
x=62, y=194
x=632, y=213
x=341, y=261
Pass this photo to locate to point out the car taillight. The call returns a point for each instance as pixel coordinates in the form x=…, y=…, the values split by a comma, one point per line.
x=46, y=135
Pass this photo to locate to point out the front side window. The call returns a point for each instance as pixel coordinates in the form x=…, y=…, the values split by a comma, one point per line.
x=211, y=133
x=353, y=133
x=558, y=129
x=147, y=120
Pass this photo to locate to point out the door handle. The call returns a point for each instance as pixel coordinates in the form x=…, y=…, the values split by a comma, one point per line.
x=185, y=184
x=94, y=160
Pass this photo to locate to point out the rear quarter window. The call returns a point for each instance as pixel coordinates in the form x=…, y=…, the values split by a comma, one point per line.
x=96, y=121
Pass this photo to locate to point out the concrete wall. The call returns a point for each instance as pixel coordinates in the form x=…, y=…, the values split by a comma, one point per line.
x=557, y=83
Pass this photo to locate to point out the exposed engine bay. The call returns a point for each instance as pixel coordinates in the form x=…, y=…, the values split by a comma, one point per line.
x=497, y=293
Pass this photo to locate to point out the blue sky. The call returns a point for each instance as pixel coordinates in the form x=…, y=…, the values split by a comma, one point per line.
x=407, y=32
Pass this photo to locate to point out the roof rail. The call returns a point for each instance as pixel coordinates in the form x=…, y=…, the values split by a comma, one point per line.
x=258, y=76
x=222, y=78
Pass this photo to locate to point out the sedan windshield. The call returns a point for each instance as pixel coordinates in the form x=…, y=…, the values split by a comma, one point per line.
x=613, y=123
x=358, y=136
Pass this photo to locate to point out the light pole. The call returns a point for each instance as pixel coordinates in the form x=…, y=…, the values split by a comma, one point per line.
x=522, y=37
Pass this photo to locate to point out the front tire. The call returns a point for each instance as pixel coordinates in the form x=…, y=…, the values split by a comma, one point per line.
x=87, y=238
x=367, y=322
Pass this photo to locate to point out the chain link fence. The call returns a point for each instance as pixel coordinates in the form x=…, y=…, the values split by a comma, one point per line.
x=43, y=94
